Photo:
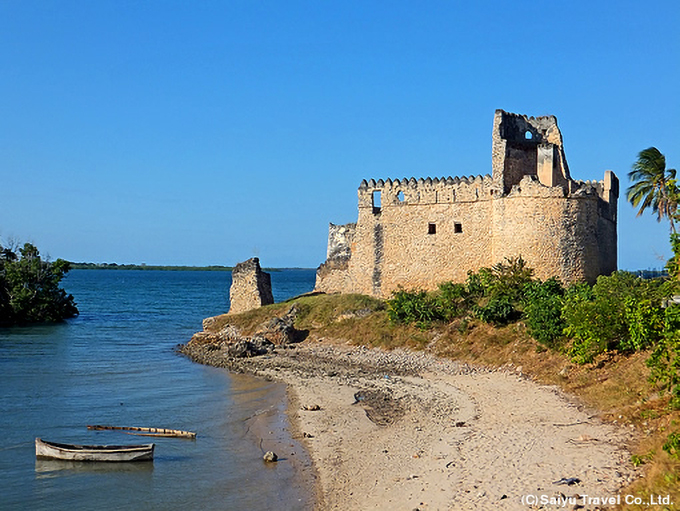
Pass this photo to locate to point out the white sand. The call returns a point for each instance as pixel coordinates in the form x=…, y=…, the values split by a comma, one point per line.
x=466, y=439
x=405, y=430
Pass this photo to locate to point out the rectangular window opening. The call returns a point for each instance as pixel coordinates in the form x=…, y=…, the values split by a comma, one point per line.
x=431, y=228
x=457, y=227
x=376, y=201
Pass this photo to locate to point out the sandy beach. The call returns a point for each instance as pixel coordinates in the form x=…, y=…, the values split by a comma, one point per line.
x=406, y=430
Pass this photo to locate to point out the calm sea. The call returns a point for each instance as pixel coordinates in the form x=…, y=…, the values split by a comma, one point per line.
x=115, y=364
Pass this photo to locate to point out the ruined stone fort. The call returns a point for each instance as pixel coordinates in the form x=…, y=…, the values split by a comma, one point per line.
x=417, y=233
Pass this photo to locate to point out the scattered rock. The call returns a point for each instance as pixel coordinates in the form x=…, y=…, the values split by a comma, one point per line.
x=206, y=338
x=569, y=481
x=311, y=408
x=253, y=348
x=280, y=331
x=229, y=334
x=270, y=457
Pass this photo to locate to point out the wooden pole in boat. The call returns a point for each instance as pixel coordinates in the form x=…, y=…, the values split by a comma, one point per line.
x=153, y=431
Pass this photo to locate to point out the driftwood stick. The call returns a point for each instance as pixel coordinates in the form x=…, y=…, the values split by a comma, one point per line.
x=158, y=435
x=155, y=431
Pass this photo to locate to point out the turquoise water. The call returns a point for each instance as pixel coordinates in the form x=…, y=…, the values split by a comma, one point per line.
x=115, y=364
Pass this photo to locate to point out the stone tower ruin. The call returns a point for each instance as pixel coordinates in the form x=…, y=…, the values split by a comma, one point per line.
x=418, y=233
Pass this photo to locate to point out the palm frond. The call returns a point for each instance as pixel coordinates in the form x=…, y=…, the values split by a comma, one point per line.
x=653, y=186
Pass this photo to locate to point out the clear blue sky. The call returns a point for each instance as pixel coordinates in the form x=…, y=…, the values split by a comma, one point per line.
x=210, y=132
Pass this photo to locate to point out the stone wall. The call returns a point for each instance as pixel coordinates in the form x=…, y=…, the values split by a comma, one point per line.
x=417, y=233
x=250, y=287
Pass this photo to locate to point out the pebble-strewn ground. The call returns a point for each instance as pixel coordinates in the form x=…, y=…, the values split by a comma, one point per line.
x=406, y=430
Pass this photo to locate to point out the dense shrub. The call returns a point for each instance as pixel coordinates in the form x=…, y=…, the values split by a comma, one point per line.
x=664, y=361
x=673, y=264
x=588, y=323
x=417, y=307
x=620, y=312
x=492, y=294
x=453, y=300
x=543, y=303
x=505, y=279
x=499, y=310
x=29, y=288
x=645, y=320
x=499, y=290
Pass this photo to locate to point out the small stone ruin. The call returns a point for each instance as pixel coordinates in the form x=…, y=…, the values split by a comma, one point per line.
x=250, y=287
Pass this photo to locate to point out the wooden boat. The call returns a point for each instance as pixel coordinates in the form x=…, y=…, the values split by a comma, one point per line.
x=160, y=432
x=53, y=450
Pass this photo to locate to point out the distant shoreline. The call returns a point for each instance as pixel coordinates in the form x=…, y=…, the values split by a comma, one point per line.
x=115, y=266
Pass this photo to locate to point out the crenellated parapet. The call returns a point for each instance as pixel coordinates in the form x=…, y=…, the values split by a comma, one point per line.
x=411, y=191
x=607, y=189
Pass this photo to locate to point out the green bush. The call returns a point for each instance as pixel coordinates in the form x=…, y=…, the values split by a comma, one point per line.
x=413, y=307
x=498, y=291
x=620, y=312
x=492, y=294
x=672, y=445
x=503, y=279
x=510, y=279
x=543, y=303
x=664, y=360
x=479, y=283
x=598, y=318
x=673, y=264
x=499, y=310
x=645, y=319
x=29, y=288
x=453, y=300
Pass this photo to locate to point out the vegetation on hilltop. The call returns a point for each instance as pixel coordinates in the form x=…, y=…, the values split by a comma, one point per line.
x=29, y=288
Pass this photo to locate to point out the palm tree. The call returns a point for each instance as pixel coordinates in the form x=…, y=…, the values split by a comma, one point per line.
x=654, y=186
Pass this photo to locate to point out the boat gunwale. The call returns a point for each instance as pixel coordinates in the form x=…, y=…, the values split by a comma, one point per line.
x=45, y=449
x=97, y=448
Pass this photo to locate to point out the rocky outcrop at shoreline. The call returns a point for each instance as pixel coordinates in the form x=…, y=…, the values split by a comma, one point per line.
x=218, y=347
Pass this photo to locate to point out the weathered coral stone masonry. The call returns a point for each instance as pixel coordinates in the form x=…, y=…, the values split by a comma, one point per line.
x=419, y=233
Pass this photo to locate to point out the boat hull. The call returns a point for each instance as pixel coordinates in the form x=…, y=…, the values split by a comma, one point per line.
x=107, y=453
